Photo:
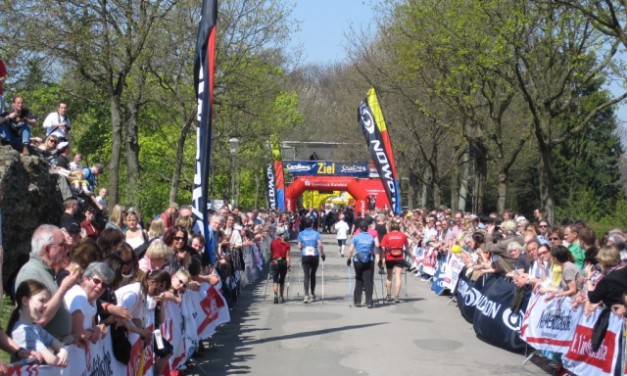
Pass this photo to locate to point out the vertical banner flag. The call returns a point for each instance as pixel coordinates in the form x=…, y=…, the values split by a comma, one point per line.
x=204, y=65
x=279, y=186
x=372, y=123
x=270, y=190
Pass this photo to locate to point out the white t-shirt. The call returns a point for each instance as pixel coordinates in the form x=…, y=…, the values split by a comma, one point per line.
x=76, y=300
x=341, y=229
x=130, y=297
x=52, y=120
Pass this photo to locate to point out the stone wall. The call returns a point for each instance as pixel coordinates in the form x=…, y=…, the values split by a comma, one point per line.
x=31, y=198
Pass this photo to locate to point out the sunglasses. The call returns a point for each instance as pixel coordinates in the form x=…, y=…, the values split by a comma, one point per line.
x=178, y=238
x=127, y=262
x=181, y=282
x=98, y=281
x=552, y=239
x=53, y=141
x=545, y=226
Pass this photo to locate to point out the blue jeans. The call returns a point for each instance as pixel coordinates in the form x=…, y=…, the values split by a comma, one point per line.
x=17, y=140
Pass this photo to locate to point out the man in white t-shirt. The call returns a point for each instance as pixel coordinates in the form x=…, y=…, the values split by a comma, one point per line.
x=341, y=231
x=58, y=123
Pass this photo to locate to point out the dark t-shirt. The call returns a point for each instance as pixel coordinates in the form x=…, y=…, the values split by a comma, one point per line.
x=522, y=262
x=63, y=162
x=610, y=289
x=381, y=231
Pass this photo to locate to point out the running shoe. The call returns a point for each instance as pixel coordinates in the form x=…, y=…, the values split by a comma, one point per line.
x=276, y=299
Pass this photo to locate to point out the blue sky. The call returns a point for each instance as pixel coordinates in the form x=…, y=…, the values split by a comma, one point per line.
x=323, y=25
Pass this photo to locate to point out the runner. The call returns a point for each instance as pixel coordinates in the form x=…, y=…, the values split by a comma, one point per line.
x=341, y=230
x=362, y=247
x=280, y=263
x=310, y=245
x=394, y=246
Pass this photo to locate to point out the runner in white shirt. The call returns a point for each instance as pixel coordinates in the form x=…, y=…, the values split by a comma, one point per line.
x=341, y=231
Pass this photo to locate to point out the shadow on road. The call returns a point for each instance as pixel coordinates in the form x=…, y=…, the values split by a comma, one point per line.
x=313, y=333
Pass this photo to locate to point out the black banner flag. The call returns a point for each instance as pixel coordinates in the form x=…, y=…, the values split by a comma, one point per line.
x=204, y=66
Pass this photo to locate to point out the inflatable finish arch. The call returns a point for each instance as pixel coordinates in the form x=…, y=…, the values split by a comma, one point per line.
x=326, y=183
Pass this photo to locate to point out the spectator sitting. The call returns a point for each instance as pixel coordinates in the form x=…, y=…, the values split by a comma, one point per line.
x=15, y=126
x=49, y=149
x=57, y=123
x=76, y=163
x=91, y=175
x=31, y=297
x=63, y=151
x=101, y=200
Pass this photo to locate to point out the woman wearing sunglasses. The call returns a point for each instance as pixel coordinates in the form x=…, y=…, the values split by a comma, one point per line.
x=80, y=300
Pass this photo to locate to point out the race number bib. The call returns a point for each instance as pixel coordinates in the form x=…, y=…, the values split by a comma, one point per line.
x=309, y=251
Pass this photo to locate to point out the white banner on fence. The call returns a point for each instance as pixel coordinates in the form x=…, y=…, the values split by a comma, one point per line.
x=451, y=271
x=184, y=325
x=550, y=325
x=582, y=360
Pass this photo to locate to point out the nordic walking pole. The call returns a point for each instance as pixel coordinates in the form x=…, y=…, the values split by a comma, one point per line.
x=287, y=292
x=405, y=283
x=383, y=294
x=350, y=285
x=265, y=290
x=322, y=299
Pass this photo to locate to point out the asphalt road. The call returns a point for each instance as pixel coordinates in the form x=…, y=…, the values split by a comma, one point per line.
x=424, y=334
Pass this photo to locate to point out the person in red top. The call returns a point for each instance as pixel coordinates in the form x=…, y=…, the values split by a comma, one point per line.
x=280, y=263
x=393, y=245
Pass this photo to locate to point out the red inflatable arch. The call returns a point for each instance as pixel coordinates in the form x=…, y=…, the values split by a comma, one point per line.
x=326, y=183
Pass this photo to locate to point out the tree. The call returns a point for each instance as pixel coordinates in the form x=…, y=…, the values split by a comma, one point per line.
x=555, y=57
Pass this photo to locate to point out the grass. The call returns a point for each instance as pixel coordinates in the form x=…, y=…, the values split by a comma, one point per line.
x=7, y=308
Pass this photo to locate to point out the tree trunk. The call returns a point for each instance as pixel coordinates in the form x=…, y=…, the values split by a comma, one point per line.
x=481, y=173
x=423, y=193
x=502, y=192
x=455, y=176
x=257, y=187
x=410, y=196
x=178, y=164
x=547, y=193
x=116, y=149
x=132, y=158
x=463, y=184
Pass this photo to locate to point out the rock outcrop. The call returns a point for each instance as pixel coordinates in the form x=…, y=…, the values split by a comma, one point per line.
x=31, y=198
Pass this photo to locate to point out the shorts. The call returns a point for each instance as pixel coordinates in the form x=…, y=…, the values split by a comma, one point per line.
x=341, y=242
x=391, y=264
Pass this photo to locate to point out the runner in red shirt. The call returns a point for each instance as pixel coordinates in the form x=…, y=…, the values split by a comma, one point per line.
x=280, y=263
x=394, y=246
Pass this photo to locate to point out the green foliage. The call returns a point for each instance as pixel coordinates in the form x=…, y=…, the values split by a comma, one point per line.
x=583, y=204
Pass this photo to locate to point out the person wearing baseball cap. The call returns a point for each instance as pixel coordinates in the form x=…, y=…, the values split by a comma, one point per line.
x=280, y=263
